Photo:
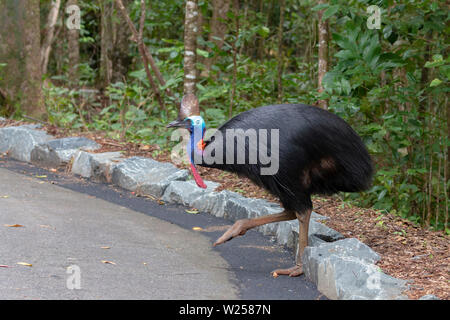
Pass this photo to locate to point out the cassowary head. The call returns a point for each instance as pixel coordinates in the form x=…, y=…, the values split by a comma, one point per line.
x=190, y=119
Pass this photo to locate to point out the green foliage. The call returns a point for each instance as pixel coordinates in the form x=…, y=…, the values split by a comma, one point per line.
x=375, y=84
x=390, y=84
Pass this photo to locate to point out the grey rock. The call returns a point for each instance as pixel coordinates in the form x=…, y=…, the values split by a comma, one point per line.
x=287, y=233
x=32, y=126
x=59, y=152
x=2, y=119
x=186, y=192
x=239, y=207
x=345, y=269
x=96, y=166
x=429, y=297
x=355, y=297
x=315, y=240
x=20, y=141
x=214, y=202
x=146, y=176
x=350, y=247
x=344, y=277
x=318, y=233
x=323, y=232
x=318, y=217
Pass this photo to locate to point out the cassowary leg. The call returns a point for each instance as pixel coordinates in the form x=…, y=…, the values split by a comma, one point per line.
x=297, y=270
x=240, y=227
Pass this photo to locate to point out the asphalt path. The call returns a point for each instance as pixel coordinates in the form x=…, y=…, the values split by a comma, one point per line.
x=88, y=240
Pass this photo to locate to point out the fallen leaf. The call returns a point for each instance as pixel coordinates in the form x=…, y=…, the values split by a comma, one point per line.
x=160, y=202
x=193, y=211
x=108, y=262
x=145, y=147
x=13, y=225
x=42, y=176
x=53, y=170
x=25, y=264
x=4, y=197
x=197, y=229
x=105, y=247
x=4, y=266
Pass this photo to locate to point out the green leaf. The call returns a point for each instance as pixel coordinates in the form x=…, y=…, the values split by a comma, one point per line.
x=382, y=194
x=320, y=7
x=203, y=53
x=330, y=12
x=263, y=31
x=435, y=82
x=346, y=54
x=438, y=60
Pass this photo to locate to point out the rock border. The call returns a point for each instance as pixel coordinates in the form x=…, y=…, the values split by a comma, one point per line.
x=342, y=268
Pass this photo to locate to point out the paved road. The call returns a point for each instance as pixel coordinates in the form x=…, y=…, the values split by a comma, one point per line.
x=156, y=254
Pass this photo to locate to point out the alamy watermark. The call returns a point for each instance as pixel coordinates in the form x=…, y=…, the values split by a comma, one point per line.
x=374, y=20
x=373, y=281
x=73, y=281
x=250, y=146
x=73, y=22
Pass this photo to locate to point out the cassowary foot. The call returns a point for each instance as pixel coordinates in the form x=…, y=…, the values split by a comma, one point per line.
x=239, y=228
x=294, y=271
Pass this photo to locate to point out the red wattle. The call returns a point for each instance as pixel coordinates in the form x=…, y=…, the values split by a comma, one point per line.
x=197, y=177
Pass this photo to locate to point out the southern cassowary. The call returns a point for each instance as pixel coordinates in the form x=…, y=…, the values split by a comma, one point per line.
x=312, y=151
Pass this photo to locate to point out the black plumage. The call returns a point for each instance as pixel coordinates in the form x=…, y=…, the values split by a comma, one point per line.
x=319, y=153
x=316, y=152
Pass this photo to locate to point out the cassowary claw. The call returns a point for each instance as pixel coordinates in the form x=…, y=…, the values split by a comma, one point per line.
x=294, y=271
x=239, y=228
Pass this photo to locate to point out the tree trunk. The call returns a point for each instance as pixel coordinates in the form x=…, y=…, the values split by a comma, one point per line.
x=59, y=44
x=323, y=54
x=106, y=43
x=114, y=57
x=218, y=29
x=280, y=53
x=190, y=47
x=73, y=48
x=233, y=86
x=447, y=110
x=261, y=38
x=20, y=50
x=48, y=39
x=201, y=59
x=120, y=57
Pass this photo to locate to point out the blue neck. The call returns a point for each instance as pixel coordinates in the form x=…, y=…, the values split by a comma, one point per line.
x=195, y=137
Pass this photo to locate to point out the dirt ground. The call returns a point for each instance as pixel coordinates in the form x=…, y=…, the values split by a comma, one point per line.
x=407, y=251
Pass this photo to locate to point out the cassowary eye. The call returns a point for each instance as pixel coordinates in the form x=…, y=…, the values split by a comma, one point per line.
x=188, y=124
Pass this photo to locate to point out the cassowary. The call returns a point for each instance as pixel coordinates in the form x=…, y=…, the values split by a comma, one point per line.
x=312, y=151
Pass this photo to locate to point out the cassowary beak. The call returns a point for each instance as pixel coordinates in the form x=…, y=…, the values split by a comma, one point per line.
x=178, y=123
